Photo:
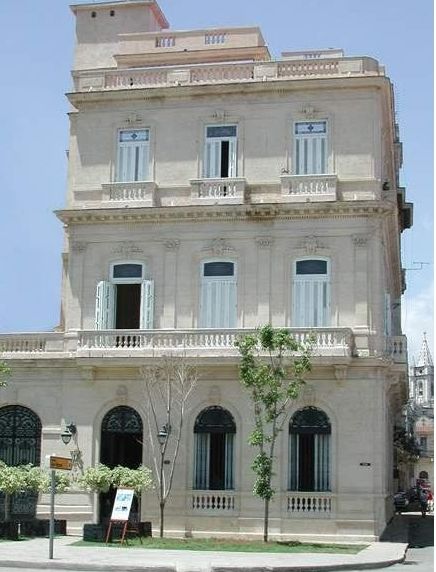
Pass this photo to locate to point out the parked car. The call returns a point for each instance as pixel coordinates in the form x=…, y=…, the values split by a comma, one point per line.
x=401, y=501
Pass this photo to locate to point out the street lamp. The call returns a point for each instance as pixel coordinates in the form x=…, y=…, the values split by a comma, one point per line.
x=162, y=437
x=69, y=431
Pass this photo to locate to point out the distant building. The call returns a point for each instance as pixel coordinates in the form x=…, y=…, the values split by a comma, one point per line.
x=211, y=190
x=421, y=413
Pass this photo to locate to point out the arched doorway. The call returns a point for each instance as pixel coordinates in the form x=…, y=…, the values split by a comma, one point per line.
x=120, y=444
x=214, y=432
x=20, y=444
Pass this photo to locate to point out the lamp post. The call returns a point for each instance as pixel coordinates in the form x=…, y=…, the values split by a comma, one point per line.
x=162, y=437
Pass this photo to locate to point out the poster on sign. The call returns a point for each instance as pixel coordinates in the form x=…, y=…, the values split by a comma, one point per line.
x=122, y=504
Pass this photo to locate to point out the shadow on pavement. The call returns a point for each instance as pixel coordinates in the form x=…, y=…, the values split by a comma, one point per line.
x=410, y=528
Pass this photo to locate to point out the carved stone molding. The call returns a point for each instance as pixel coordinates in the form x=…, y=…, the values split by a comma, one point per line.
x=309, y=111
x=88, y=373
x=214, y=394
x=127, y=249
x=340, y=372
x=172, y=244
x=308, y=394
x=360, y=240
x=134, y=119
x=311, y=244
x=264, y=241
x=219, y=247
x=220, y=115
x=121, y=393
x=79, y=247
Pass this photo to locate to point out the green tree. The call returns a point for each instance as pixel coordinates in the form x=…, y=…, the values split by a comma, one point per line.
x=273, y=367
x=4, y=373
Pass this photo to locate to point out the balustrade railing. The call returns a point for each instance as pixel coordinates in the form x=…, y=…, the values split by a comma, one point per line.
x=315, y=505
x=309, y=187
x=335, y=342
x=130, y=192
x=397, y=348
x=222, y=72
x=225, y=190
x=217, y=502
x=33, y=343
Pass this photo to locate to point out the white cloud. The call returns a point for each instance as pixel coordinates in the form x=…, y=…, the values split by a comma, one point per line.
x=417, y=319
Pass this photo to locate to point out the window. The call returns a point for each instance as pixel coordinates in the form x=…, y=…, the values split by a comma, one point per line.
x=423, y=444
x=133, y=155
x=214, y=433
x=310, y=147
x=126, y=301
x=309, y=451
x=311, y=293
x=220, y=156
x=218, y=295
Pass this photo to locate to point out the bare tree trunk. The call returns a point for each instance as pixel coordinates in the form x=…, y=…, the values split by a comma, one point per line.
x=8, y=503
x=265, y=521
x=162, y=509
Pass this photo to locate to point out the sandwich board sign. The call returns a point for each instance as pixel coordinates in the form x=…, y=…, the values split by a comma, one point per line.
x=120, y=512
x=122, y=505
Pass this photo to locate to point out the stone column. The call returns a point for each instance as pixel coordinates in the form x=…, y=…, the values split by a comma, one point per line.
x=169, y=311
x=264, y=244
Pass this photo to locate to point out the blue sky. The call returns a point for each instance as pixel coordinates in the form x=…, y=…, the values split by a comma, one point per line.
x=37, y=46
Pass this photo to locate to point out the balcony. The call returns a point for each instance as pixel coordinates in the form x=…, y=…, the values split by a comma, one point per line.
x=218, y=191
x=202, y=343
x=142, y=193
x=136, y=77
x=309, y=188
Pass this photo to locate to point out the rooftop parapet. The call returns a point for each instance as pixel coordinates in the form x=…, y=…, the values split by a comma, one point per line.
x=191, y=47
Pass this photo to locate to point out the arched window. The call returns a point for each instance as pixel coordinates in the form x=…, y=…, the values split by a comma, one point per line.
x=311, y=293
x=214, y=432
x=218, y=295
x=309, y=451
x=126, y=301
x=20, y=444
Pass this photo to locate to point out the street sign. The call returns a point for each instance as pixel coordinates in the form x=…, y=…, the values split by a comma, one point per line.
x=61, y=463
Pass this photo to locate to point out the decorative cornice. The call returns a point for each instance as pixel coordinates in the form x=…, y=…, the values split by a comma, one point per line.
x=224, y=213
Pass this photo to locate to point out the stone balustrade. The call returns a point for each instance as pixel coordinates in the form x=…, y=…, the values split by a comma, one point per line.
x=310, y=504
x=143, y=192
x=397, y=348
x=213, y=502
x=160, y=76
x=303, y=188
x=326, y=342
x=212, y=191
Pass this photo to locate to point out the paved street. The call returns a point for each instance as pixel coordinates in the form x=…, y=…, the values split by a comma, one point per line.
x=420, y=536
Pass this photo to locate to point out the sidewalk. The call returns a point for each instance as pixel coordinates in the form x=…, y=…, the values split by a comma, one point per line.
x=34, y=554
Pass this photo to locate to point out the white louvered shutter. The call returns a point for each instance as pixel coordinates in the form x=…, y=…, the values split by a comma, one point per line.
x=310, y=154
x=212, y=158
x=105, y=306
x=133, y=158
x=388, y=315
x=311, y=303
x=233, y=157
x=147, y=305
x=218, y=304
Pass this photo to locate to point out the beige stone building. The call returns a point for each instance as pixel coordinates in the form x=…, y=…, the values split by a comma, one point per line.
x=213, y=189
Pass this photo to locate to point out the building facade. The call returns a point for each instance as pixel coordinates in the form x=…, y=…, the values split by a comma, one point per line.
x=213, y=189
x=420, y=415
